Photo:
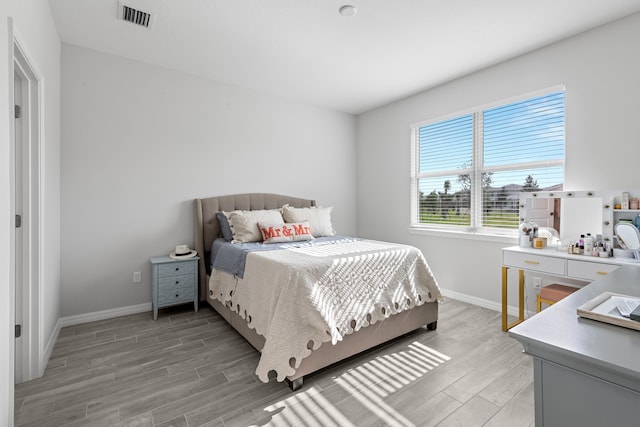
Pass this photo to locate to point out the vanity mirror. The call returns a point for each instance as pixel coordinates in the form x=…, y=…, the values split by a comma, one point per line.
x=570, y=213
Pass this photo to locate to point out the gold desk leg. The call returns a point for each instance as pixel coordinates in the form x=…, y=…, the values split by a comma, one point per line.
x=504, y=298
x=521, y=296
x=506, y=326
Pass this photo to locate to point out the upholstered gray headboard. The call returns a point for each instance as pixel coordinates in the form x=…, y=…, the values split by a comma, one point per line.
x=207, y=228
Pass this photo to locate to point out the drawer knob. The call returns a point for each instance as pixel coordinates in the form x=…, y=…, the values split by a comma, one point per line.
x=177, y=268
x=177, y=295
x=177, y=281
x=528, y=261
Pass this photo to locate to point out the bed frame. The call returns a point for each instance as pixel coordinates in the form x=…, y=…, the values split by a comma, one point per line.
x=207, y=229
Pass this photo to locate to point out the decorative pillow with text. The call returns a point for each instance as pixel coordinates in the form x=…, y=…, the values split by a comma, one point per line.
x=279, y=233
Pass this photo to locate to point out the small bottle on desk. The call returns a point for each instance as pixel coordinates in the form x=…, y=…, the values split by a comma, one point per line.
x=588, y=245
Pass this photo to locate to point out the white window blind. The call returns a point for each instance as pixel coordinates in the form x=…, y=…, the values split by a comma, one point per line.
x=468, y=171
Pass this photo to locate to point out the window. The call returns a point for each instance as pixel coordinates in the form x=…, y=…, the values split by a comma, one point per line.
x=468, y=171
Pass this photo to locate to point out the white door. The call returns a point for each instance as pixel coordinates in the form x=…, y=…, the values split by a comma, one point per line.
x=19, y=170
x=541, y=211
x=26, y=202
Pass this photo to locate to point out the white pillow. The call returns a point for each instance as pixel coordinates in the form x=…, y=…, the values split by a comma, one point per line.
x=319, y=219
x=279, y=233
x=244, y=224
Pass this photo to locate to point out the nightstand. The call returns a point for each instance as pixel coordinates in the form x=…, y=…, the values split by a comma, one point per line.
x=173, y=282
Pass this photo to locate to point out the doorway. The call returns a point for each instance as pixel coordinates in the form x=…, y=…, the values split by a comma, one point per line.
x=26, y=207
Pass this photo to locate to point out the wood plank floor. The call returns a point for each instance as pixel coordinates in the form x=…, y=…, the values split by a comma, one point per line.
x=192, y=369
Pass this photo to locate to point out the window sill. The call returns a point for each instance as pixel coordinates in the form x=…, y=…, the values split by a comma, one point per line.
x=510, y=239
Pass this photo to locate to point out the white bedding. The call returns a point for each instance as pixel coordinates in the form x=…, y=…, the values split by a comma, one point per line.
x=299, y=298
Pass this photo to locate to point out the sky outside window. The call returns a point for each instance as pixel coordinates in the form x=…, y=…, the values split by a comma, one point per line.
x=521, y=132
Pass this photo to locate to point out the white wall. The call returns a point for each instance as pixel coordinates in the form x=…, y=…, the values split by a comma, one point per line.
x=34, y=27
x=601, y=71
x=141, y=142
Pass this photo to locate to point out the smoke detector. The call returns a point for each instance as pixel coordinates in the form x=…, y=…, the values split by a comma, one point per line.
x=134, y=15
x=348, y=10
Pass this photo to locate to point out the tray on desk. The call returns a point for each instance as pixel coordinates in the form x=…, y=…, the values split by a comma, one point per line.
x=602, y=309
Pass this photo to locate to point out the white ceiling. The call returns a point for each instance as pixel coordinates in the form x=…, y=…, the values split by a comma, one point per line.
x=306, y=51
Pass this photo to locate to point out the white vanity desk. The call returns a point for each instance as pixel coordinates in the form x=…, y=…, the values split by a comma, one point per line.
x=551, y=262
x=586, y=373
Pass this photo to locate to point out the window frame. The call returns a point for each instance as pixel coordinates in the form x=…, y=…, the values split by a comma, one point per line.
x=477, y=168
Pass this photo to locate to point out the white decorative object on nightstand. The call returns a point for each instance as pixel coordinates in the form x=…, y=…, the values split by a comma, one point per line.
x=174, y=281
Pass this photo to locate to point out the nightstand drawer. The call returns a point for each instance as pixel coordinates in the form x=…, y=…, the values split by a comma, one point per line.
x=176, y=295
x=543, y=264
x=176, y=268
x=588, y=270
x=166, y=284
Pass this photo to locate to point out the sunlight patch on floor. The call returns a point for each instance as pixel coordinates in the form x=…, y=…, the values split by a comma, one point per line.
x=370, y=384
x=373, y=381
x=307, y=408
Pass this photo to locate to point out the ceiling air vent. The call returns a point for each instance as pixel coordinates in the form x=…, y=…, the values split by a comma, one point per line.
x=135, y=16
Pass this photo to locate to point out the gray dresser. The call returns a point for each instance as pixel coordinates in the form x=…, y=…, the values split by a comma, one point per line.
x=586, y=373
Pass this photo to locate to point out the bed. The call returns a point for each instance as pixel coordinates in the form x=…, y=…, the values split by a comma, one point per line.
x=218, y=287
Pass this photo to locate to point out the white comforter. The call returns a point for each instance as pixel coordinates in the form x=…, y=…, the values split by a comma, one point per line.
x=302, y=297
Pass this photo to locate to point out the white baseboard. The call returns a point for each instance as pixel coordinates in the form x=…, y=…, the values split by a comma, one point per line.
x=141, y=308
x=104, y=314
x=481, y=302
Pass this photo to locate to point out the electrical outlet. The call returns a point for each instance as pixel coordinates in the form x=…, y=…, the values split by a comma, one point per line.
x=137, y=277
x=537, y=283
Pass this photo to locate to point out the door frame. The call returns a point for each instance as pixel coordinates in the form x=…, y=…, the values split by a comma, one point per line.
x=32, y=348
